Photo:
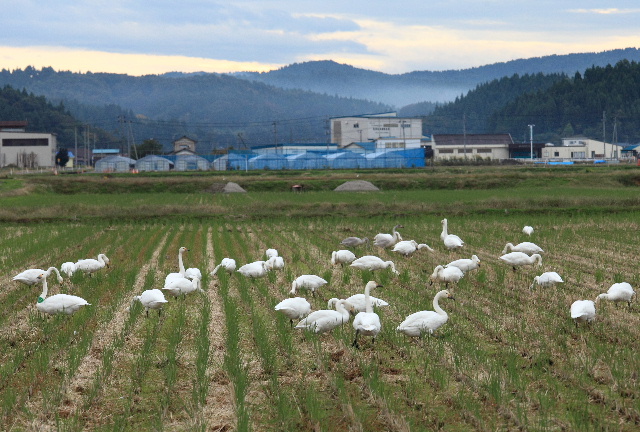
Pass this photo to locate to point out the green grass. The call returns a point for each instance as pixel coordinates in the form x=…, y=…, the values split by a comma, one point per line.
x=508, y=358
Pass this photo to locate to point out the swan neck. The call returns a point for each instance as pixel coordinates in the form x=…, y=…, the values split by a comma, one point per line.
x=180, y=264
x=45, y=290
x=436, y=305
x=342, y=310
x=367, y=300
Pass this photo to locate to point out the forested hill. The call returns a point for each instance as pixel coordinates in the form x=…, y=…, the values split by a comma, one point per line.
x=40, y=114
x=213, y=109
x=420, y=86
x=473, y=111
x=576, y=105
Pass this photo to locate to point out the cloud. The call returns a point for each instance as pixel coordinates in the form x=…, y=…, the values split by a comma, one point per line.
x=608, y=11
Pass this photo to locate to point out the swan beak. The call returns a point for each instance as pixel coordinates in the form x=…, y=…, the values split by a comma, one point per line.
x=451, y=297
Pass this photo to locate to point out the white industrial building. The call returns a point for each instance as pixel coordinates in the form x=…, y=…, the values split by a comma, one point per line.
x=372, y=127
x=25, y=149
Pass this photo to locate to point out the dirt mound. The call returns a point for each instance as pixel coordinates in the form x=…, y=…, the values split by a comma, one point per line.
x=356, y=186
x=229, y=187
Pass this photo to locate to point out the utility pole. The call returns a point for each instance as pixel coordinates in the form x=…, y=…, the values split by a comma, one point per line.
x=75, y=137
x=464, y=133
x=275, y=135
x=604, y=138
x=531, y=139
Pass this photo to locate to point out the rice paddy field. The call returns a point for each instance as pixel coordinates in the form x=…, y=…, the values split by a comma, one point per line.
x=509, y=357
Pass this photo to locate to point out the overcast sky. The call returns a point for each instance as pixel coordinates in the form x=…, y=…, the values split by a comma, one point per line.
x=140, y=37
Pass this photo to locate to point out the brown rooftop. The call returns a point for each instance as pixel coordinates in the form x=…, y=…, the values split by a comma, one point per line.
x=471, y=139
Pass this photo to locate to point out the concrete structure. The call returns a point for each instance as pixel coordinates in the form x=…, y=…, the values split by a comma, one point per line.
x=493, y=146
x=582, y=148
x=26, y=149
x=184, y=146
x=347, y=130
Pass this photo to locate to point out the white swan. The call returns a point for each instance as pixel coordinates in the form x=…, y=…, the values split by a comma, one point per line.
x=275, y=263
x=446, y=275
x=183, y=286
x=228, y=264
x=354, y=241
x=193, y=272
x=151, y=299
x=466, y=264
x=69, y=268
x=583, y=311
x=294, y=308
x=451, y=241
x=618, y=292
x=387, y=240
x=91, y=265
x=418, y=323
x=526, y=247
x=342, y=257
x=367, y=323
x=408, y=247
x=59, y=303
x=30, y=276
x=528, y=230
x=270, y=253
x=516, y=259
x=256, y=269
x=308, y=282
x=372, y=263
x=181, y=269
x=547, y=279
x=322, y=321
x=358, y=302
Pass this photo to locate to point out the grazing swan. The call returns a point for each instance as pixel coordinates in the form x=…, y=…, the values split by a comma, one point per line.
x=583, y=311
x=618, y=292
x=151, y=299
x=408, y=247
x=256, y=269
x=91, y=265
x=418, y=323
x=229, y=264
x=270, y=253
x=294, y=308
x=547, y=279
x=367, y=323
x=387, y=240
x=275, y=263
x=308, y=282
x=516, y=259
x=183, y=286
x=322, y=321
x=342, y=257
x=466, y=264
x=446, y=275
x=193, y=272
x=451, y=241
x=528, y=230
x=526, y=247
x=354, y=241
x=359, y=304
x=30, y=277
x=68, y=268
x=59, y=303
x=181, y=270
x=372, y=263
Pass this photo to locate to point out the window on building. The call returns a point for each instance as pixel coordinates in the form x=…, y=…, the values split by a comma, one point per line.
x=556, y=154
x=25, y=142
x=442, y=151
x=463, y=151
x=483, y=150
x=356, y=125
x=578, y=155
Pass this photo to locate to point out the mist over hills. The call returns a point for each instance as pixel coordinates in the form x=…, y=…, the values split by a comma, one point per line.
x=291, y=104
x=424, y=86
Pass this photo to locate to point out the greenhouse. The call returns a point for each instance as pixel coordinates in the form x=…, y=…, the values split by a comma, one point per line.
x=345, y=160
x=306, y=160
x=231, y=161
x=385, y=159
x=268, y=161
x=154, y=163
x=114, y=164
x=191, y=163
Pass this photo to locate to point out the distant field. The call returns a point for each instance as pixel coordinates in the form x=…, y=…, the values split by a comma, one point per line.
x=508, y=359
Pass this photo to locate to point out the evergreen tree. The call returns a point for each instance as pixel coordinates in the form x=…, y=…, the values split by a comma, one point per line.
x=62, y=157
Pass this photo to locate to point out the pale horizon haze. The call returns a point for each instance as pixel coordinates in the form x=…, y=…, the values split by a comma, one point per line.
x=140, y=38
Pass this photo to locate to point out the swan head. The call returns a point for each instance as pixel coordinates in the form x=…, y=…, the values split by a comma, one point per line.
x=372, y=285
x=436, y=271
x=331, y=303
x=182, y=250
x=445, y=294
